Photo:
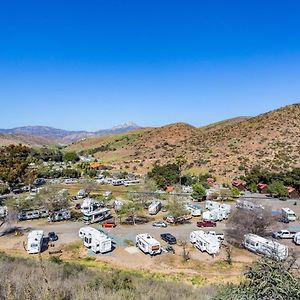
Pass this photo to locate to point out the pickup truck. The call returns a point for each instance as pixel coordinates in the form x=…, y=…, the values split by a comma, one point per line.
x=220, y=236
x=206, y=224
x=283, y=234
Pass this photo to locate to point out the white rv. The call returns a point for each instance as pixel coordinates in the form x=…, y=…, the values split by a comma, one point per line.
x=89, y=205
x=131, y=182
x=81, y=194
x=117, y=205
x=248, y=205
x=212, y=205
x=95, y=240
x=96, y=215
x=35, y=241
x=3, y=211
x=31, y=214
x=297, y=238
x=264, y=246
x=205, y=242
x=289, y=214
x=215, y=215
x=60, y=215
x=148, y=244
x=154, y=207
x=194, y=209
x=117, y=182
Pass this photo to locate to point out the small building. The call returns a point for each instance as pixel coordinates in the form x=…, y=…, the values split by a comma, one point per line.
x=293, y=193
x=262, y=188
x=95, y=166
x=237, y=183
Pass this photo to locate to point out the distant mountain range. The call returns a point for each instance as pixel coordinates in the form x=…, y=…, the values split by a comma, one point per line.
x=50, y=135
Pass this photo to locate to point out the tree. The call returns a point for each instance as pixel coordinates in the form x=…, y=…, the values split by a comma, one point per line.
x=244, y=221
x=277, y=188
x=235, y=192
x=53, y=200
x=130, y=209
x=180, y=162
x=252, y=187
x=198, y=191
x=176, y=207
x=164, y=175
x=265, y=279
x=70, y=157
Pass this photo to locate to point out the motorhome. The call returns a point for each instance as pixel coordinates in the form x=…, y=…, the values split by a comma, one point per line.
x=60, y=215
x=154, y=207
x=194, y=209
x=206, y=243
x=31, y=214
x=297, y=238
x=35, y=241
x=289, y=214
x=248, y=205
x=89, y=205
x=95, y=240
x=267, y=247
x=148, y=244
x=96, y=215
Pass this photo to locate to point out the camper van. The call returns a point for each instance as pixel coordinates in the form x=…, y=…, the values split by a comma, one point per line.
x=96, y=216
x=264, y=246
x=148, y=244
x=60, y=215
x=35, y=241
x=207, y=243
x=154, y=207
x=248, y=205
x=289, y=214
x=95, y=240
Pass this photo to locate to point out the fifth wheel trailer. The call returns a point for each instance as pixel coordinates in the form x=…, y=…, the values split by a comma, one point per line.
x=154, y=207
x=258, y=244
x=147, y=244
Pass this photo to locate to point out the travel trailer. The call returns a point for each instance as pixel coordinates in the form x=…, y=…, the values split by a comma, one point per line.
x=35, y=241
x=60, y=215
x=205, y=242
x=297, y=238
x=267, y=247
x=95, y=240
x=194, y=209
x=215, y=215
x=117, y=182
x=154, y=207
x=31, y=214
x=96, y=215
x=3, y=211
x=248, y=205
x=289, y=214
x=212, y=205
x=148, y=244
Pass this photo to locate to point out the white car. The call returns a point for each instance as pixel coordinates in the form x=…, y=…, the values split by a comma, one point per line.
x=159, y=224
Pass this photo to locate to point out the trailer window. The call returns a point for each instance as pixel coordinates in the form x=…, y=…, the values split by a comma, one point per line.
x=156, y=247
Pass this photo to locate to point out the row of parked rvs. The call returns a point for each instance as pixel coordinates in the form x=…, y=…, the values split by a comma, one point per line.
x=55, y=216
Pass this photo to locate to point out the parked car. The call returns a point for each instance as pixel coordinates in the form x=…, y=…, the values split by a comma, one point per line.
x=283, y=234
x=78, y=206
x=207, y=223
x=109, y=224
x=169, y=238
x=284, y=220
x=52, y=236
x=159, y=224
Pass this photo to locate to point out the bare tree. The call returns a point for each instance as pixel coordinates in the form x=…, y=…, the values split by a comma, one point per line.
x=244, y=221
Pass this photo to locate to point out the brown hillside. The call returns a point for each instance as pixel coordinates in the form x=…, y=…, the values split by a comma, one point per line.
x=271, y=140
x=28, y=140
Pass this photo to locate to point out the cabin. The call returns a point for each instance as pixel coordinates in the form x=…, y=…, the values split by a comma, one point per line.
x=262, y=188
x=293, y=193
x=237, y=183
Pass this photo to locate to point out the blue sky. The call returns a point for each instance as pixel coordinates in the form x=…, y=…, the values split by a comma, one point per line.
x=93, y=64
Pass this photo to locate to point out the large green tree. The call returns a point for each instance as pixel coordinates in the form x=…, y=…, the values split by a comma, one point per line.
x=277, y=188
x=165, y=175
x=199, y=191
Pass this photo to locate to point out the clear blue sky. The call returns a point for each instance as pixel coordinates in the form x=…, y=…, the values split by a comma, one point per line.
x=93, y=64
